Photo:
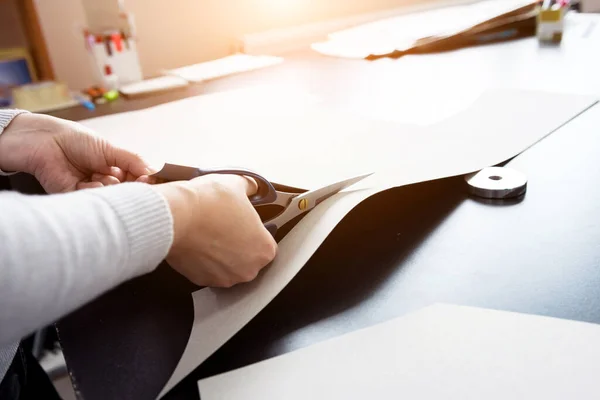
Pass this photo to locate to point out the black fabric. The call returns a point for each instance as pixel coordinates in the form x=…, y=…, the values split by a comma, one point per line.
x=25, y=379
x=4, y=183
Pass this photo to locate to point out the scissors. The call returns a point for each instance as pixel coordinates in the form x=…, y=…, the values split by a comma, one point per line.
x=294, y=204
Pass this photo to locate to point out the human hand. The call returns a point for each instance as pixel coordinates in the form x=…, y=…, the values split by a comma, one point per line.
x=219, y=238
x=66, y=156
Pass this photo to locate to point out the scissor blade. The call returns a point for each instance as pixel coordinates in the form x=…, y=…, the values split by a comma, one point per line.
x=314, y=197
x=174, y=172
x=309, y=200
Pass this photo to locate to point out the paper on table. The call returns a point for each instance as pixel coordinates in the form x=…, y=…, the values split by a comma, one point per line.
x=442, y=351
x=402, y=32
x=443, y=19
x=202, y=130
x=295, y=141
x=153, y=85
x=497, y=127
x=224, y=66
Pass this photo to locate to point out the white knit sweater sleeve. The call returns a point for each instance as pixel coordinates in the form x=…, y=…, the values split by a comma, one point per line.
x=6, y=116
x=59, y=251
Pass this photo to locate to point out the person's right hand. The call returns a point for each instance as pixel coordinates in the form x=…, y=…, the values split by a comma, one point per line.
x=219, y=238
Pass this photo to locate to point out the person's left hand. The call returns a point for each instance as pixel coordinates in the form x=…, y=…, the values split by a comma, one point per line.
x=66, y=156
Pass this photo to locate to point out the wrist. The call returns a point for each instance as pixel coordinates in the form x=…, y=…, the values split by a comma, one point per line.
x=16, y=145
x=178, y=196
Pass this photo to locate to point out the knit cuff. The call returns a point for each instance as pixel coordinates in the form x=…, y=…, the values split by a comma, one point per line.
x=7, y=353
x=6, y=117
x=147, y=221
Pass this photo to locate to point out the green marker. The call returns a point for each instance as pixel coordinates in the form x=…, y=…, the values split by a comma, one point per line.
x=111, y=95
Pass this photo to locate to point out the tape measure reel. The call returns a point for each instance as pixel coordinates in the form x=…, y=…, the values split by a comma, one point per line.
x=497, y=183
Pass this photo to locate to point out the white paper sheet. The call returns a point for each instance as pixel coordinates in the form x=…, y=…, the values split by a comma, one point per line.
x=294, y=141
x=153, y=85
x=225, y=66
x=440, y=352
x=401, y=32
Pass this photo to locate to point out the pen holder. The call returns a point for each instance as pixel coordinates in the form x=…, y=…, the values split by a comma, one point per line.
x=114, y=58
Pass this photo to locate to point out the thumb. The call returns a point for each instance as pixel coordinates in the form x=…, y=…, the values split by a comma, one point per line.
x=251, y=185
x=239, y=183
x=126, y=160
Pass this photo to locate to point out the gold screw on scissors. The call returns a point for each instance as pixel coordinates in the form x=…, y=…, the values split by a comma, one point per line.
x=303, y=204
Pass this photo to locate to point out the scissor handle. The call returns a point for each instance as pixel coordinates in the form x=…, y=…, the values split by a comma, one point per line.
x=272, y=228
x=265, y=194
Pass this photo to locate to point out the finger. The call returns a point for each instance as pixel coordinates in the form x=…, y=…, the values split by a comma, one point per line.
x=244, y=184
x=251, y=185
x=89, y=185
x=147, y=179
x=126, y=160
x=117, y=173
x=106, y=180
x=131, y=177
